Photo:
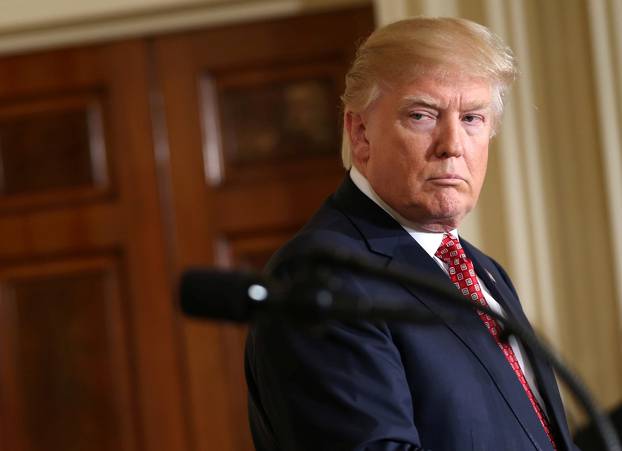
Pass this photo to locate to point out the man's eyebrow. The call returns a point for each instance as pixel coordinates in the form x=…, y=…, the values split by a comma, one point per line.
x=420, y=100
x=431, y=102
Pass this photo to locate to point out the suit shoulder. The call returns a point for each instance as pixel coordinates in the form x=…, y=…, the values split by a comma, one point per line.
x=330, y=229
x=313, y=240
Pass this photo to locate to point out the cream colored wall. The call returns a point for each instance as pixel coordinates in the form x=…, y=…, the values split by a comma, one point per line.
x=552, y=202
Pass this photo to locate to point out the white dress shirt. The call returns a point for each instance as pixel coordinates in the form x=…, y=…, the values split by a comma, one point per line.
x=430, y=242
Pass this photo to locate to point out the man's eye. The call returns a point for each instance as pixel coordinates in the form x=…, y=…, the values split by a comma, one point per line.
x=418, y=116
x=472, y=119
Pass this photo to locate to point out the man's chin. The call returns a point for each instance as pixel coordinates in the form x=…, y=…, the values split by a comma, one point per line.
x=443, y=220
x=437, y=223
x=438, y=215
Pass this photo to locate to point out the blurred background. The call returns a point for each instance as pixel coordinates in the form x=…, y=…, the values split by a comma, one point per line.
x=138, y=137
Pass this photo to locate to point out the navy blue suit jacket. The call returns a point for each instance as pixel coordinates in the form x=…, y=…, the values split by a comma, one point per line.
x=391, y=386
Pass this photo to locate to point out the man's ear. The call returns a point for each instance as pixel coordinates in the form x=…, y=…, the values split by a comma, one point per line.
x=357, y=132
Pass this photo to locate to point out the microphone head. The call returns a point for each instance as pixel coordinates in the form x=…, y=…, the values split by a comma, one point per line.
x=220, y=294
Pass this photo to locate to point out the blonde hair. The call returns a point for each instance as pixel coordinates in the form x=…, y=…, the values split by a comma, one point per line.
x=444, y=46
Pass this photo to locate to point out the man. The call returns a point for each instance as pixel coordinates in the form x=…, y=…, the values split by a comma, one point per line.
x=422, y=100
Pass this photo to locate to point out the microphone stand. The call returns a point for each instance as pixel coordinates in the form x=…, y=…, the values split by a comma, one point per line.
x=318, y=261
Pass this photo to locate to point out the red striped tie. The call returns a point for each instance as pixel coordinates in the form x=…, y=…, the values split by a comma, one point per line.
x=462, y=274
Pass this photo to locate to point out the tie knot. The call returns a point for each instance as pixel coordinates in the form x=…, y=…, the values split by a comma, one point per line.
x=450, y=248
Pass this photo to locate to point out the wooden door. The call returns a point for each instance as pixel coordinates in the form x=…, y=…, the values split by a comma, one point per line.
x=251, y=150
x=89, y=354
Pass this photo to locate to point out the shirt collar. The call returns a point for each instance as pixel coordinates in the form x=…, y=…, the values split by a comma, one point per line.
x=429, y=241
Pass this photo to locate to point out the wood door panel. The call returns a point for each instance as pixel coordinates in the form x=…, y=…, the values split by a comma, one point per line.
x=34, y=233
x=258, y=123
x=250, y=251
x=65, y=378
x=50, y=144
x=298, y=38
x=274, y=204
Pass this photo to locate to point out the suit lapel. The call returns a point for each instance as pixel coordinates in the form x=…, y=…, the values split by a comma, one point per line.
x=386, y=237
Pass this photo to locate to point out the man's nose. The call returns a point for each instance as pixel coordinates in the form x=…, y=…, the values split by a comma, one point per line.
x=449, y=142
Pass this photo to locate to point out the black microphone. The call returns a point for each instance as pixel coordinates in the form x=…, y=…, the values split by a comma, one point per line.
x=243, y=296
x=228, y=295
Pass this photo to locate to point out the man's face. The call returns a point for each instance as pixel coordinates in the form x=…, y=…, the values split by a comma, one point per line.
x=423, y=146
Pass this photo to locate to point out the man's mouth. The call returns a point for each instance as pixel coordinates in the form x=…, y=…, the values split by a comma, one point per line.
x=446, y=179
